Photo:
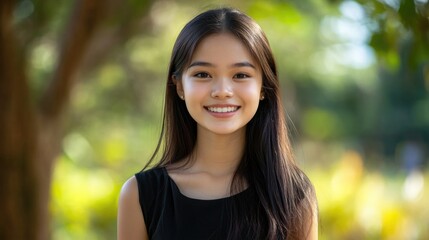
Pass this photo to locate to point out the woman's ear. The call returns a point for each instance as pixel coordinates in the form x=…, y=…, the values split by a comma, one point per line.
x=262, y=95
x=179, y=87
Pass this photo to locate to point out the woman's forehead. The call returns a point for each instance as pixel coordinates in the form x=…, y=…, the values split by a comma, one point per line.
x=223, y=49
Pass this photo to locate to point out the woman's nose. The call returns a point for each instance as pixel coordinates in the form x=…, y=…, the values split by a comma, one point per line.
x=222, y=88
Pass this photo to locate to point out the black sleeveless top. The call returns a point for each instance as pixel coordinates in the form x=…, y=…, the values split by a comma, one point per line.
x=168, y=214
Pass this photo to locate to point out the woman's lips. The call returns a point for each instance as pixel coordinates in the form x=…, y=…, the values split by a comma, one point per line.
x=222, y=111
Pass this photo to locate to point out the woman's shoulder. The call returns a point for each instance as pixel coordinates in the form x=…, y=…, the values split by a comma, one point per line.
x=131, y=223
x=129, y=189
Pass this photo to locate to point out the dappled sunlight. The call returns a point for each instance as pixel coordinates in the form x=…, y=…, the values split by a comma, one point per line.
x=346, y=176
x=356, y=202
x=413, y=186
x=82, y=201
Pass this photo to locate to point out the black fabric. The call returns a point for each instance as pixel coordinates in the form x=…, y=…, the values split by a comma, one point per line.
x=169, y=214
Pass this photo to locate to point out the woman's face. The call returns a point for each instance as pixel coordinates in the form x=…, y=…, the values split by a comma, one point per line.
x=222, y=85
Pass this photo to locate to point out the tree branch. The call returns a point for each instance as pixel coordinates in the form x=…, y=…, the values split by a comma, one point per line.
x=82, y=25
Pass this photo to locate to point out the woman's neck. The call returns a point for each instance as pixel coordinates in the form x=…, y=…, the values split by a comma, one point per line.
x=211, y=169
x=218, y=154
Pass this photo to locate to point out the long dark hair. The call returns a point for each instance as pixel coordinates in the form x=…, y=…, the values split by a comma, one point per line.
x=285, y=196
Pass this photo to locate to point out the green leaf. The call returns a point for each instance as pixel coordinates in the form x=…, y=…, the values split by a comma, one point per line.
x=407, y=13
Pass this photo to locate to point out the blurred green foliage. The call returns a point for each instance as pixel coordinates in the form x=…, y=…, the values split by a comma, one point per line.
x=355, y=83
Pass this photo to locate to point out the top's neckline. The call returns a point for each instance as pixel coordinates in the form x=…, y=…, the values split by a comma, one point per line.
x=173, y=183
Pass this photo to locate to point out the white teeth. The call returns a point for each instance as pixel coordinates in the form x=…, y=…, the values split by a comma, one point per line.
x=222, y=109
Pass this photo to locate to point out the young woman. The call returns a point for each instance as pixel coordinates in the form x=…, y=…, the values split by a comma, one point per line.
x=226, y=170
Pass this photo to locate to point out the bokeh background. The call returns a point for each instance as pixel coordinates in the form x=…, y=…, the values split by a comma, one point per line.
x=355, y=84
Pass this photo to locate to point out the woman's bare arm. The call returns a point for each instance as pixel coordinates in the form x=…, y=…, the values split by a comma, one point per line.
x=313, y=233
x=131, y=225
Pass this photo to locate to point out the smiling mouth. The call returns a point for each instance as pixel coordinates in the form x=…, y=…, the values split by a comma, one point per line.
x=222, y=109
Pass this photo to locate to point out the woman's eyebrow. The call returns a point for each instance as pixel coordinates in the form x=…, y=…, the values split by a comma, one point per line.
x=207, y=64
x=243, y=64
x=200, y=63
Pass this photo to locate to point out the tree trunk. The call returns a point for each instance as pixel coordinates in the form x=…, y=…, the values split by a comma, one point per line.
x=30, y=139
x=31, y=135
x=19, y=182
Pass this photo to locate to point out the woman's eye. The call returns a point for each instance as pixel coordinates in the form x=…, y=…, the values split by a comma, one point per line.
x=202, y=75
x=241, y=75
